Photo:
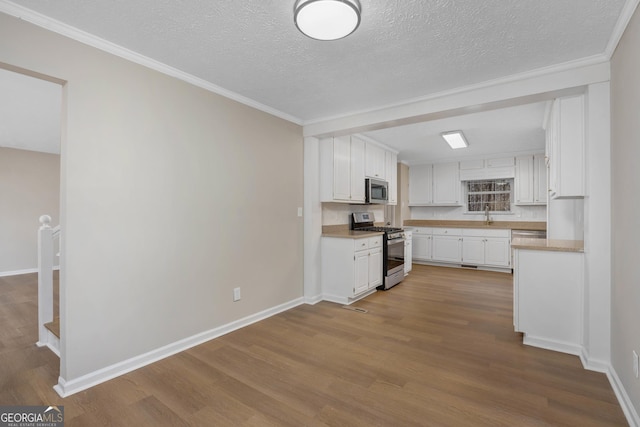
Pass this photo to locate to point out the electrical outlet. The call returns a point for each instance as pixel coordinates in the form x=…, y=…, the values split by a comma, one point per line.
x=635, y=363
x=236, y=294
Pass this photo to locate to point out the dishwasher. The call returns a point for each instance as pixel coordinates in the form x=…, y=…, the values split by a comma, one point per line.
x=528, y=234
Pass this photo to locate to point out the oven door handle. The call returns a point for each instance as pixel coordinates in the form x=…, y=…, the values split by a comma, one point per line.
x=395, y=241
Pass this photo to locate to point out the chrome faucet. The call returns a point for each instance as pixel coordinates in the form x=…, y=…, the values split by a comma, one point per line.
x=487, y=220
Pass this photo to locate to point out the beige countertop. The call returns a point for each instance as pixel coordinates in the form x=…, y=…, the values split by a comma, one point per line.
x=342, y=230
x=512, y=225
x=548, y=245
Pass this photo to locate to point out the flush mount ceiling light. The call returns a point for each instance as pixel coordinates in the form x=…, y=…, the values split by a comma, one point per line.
x=326, y=19
x=455, y=139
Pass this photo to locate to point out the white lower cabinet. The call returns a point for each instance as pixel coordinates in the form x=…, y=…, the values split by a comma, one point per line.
x=548, y=298
x=486, y=247
x=497, y=251
x=421, y=243
x=473, y=250
x=351, y=268
x=468, y=246
x=408, y=251
x=447, y=245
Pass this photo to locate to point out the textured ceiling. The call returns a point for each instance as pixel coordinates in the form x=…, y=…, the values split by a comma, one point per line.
x=489, y=133
x=402, y=49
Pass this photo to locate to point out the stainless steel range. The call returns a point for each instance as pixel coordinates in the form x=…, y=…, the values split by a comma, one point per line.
x=392, y=248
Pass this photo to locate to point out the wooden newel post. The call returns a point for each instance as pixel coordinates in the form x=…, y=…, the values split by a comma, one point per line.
x=45, y=278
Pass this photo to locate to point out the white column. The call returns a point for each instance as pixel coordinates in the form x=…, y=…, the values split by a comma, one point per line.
x=312, y=221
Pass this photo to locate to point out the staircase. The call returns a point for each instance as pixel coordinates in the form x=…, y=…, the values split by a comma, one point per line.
x=48, y=326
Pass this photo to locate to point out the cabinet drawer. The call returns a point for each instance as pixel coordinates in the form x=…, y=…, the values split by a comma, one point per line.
x=375, y=242
x=360, y=244
x=423, y=230
x=483, y=232
x=447, y=231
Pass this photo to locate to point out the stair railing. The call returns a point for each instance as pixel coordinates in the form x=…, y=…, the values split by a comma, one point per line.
x=46, y=255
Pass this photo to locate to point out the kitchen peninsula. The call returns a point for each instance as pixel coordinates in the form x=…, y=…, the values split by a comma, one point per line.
x=548, y=293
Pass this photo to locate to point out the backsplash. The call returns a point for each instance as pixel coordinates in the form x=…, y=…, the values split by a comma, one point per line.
x=338, y=213
x=519, y=213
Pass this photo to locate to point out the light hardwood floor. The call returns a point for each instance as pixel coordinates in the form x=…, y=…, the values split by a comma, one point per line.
x=436, y=350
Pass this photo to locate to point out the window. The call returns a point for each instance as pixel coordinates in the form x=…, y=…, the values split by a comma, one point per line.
x=496, y=193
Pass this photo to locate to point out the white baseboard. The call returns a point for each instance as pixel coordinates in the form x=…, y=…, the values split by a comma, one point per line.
x=625, y=401
x=18, y=272
x=313, y=300
x=562, y=347
x=593, y=364
x=25, y=271
x=66, y=388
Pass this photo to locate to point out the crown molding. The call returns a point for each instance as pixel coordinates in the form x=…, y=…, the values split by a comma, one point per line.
x=76, y=34
x=623, y=20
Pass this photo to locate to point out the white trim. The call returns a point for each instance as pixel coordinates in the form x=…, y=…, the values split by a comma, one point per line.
x=562, y=347
x=625, y=401
x=593, y=364
x=66, y=388
x=18, y=272
x=52, y=343
x=51, y=24
x=623, y=20
x=25, y=271
x=313, y=300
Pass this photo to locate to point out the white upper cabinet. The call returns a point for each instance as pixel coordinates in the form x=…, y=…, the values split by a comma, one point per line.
x=531, y=180
x=375, y=161
x=524, y=180
x=420, y=185
x=437, y=184
x=565, y=135
x=346, y=161
x=391, y=171
x=342, y=170
x=446, y=184
x=540, y=189
x=472, y=170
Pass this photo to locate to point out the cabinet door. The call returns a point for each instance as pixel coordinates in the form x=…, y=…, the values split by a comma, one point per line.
x=375, y=161
x=391, y=160
x=447, y=248
x=419, y=246
x=539, y=179
x=497, y=252
x=408, y=249
x=342, y=168
x=446, y=184
x=375, y=268
x=361, y=279
x=524, y=180
x=357, y=170
x=473, y=250
x=421, y=185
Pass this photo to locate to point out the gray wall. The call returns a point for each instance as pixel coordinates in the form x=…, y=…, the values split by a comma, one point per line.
x=171, y=196
x=625, y=141
x=29, y=187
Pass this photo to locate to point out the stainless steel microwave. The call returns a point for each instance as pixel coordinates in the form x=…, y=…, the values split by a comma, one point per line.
x=376, y=191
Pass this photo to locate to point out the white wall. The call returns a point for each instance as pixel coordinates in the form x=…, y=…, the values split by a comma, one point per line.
x=625, y=155
x=29, y=187
x=171, y=197
x=519, y=213
x=339, y=213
